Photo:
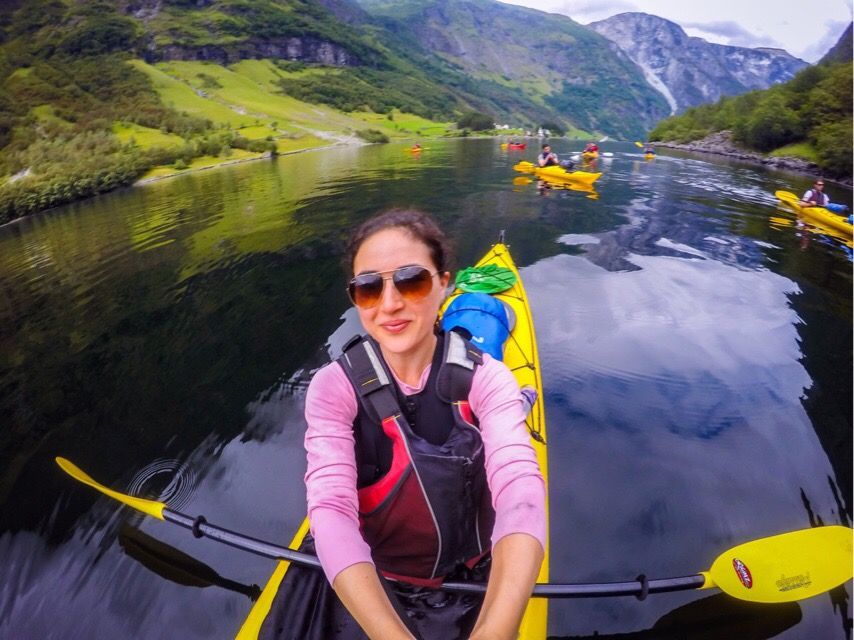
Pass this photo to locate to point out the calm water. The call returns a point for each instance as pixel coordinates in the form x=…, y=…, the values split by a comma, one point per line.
x=696, y=344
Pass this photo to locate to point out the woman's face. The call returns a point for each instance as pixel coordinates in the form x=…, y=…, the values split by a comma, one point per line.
x=400, y=326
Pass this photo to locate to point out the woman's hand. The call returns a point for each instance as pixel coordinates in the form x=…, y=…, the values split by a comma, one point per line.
x=358, y=586
x=516, y=561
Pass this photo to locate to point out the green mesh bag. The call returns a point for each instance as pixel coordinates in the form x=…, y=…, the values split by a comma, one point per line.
x=490, y=278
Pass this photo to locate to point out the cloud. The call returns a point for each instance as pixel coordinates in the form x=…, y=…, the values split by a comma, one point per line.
x=590, y=10
x=732, y=33
x=816, y=50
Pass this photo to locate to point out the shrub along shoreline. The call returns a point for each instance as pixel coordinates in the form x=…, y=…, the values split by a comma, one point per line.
x=721, y=144
x=811, y=113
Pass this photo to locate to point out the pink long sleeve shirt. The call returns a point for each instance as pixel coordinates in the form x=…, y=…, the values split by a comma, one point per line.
x=515, y=481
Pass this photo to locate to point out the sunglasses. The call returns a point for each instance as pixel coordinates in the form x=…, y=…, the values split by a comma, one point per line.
x=819, y=184
x=412, y=282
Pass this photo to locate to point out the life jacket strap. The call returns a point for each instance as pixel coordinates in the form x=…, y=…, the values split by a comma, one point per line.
x=459, y=362
x=372, y=381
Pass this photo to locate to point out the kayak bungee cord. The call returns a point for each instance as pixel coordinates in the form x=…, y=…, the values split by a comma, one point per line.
x=783, y=568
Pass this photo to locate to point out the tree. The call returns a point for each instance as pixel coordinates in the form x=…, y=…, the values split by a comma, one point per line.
x=475, y=121
x=834, y=147
x=553, y=127
x=771, y=125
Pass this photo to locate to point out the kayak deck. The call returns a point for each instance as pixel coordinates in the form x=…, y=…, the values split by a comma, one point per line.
x=521, y=357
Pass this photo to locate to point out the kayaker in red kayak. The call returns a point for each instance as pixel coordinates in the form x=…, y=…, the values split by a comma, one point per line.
x=547, y=158
x=404, y=480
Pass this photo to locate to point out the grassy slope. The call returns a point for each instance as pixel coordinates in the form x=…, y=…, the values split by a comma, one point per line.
x=803, y=150
x=245, y=98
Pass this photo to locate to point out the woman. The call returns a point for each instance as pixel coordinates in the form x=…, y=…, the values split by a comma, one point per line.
x=367, y=521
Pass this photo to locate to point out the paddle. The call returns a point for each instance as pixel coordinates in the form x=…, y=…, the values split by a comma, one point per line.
x=639, y=145
x=786, y=196
x=783, y=568
x=176, y=566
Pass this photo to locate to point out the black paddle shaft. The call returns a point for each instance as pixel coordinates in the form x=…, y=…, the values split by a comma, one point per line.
x=639, y=588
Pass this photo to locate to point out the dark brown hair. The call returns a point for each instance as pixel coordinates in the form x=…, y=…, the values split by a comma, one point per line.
x=417, y=223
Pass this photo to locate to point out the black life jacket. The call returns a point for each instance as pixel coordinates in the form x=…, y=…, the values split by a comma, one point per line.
x=549, y=159
x=424, y=502
x=819, y=198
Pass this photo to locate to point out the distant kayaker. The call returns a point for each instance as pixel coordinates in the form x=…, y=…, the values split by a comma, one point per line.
x=591, y=147
x=816, y=197
x=384, y=460
x=547, y=158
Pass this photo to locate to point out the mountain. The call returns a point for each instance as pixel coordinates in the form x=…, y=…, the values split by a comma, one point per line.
x=557, y=63
x=690, y=71
x=809, y=117
x=843, y=50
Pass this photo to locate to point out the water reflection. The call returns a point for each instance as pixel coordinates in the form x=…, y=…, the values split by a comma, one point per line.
x=713, y=618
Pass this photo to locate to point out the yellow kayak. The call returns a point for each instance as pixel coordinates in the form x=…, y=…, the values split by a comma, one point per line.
x=555, y=173
x=819, y=214
x=520, y=355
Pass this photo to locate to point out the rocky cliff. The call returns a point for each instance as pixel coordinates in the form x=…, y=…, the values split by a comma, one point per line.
x=689, y=71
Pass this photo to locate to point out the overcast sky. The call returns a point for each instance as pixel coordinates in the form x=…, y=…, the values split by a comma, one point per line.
x=804, y=28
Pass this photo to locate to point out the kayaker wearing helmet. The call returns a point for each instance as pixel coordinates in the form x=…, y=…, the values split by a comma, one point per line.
x=403, y=481
x=591, y=147
x=547, y=158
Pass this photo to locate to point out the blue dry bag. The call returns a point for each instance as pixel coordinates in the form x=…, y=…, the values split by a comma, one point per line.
x=483, y=317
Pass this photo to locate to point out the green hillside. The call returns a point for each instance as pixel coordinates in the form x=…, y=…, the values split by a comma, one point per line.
x=80, y=115
x=97, y=94
x=580, y=77
x=810, y=116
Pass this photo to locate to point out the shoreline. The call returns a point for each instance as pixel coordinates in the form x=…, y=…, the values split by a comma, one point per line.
x=264, y=156
x=721, y=144
x=145, y=181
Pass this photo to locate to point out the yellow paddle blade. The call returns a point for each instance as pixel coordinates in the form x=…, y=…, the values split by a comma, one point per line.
x=784, y=568
x=783, y=222
x=639, y=145
x=519, y=180
x=786, y=196
x=149, y=507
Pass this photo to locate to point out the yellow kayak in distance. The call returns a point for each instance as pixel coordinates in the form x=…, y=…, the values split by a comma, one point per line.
x=555, y=173
x=819, y=214
x=522, y=358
